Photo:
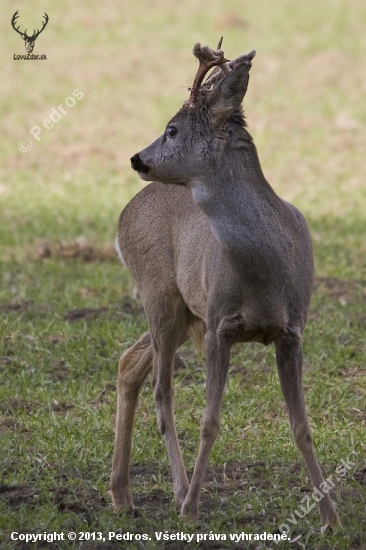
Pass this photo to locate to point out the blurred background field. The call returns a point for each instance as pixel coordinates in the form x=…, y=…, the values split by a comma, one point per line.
x=59, y=206
x=133, y=63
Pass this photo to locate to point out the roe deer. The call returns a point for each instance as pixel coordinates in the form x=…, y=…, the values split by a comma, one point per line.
x=216, y=256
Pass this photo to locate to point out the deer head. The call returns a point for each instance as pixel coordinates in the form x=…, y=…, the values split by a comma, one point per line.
x=198, y=131
x=28, y=40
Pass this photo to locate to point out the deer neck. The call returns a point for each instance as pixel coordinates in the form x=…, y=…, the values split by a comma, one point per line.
x=236, y=198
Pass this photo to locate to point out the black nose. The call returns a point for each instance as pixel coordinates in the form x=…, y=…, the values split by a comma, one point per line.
x=138, y=165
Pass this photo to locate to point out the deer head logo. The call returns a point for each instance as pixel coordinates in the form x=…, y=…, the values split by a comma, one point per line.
x=28, y=40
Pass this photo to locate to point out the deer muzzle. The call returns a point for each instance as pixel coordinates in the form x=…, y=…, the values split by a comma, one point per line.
x=138, y=165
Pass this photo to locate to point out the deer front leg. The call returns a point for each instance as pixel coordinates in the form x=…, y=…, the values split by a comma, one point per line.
x=134, y=365
x=289, y=363
x=218, y=356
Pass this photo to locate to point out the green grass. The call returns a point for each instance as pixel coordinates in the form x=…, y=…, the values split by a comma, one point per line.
x=64, y=321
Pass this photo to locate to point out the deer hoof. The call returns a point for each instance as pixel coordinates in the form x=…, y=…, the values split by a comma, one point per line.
x=189, y=512
x=122, y=502
x=329, y=515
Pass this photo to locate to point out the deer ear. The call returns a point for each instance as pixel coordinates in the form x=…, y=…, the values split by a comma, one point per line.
x=228, y=95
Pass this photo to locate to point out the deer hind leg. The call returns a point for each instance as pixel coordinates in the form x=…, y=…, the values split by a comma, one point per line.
x=217, y=361
x=165, y=343
x=289, y=363
x=134, y=365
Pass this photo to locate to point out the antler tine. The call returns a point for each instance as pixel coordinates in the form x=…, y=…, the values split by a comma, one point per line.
x=15, y=17
x=208, y=58
x=14, y=20
x=46, y=18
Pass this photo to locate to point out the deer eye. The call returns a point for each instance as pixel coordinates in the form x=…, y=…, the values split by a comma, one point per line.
x=171, y=131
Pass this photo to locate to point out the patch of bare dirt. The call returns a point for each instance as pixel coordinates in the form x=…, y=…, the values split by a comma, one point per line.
x=227, y=479
x=154, y=500
x=16, y=306
x=24, y=307
x=11, y=405
x=6, y=360
x=344, y=290
x=78, y=250
x=17, y=495
x=360, y=321
x=360, y=476
x=128, y=306
x=7, y=424
x=61, y=406
x=84, y=502
x=84, y=313
x=222, y=481
x=60, y=371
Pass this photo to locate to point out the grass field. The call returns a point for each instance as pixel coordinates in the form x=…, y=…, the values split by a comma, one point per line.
x=66, y=311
